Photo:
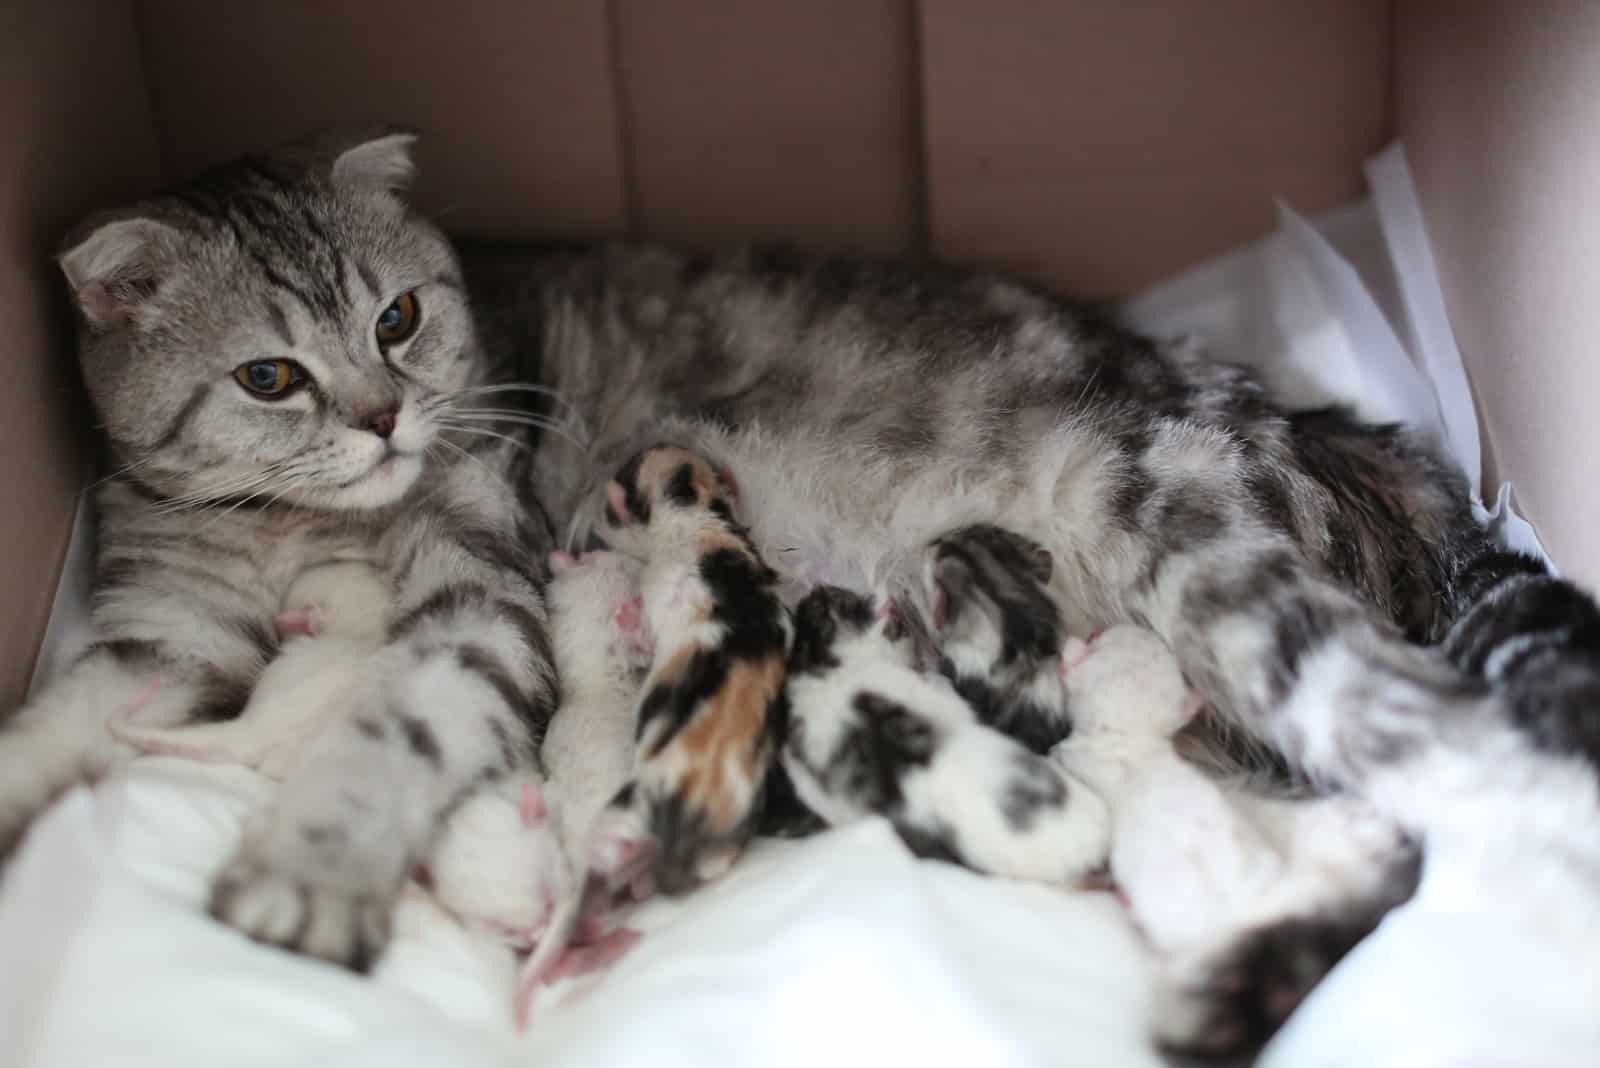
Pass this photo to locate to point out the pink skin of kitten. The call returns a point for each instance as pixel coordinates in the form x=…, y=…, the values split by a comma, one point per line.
x=601, y=650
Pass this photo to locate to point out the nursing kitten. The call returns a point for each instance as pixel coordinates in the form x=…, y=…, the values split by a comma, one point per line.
x=870, y=735
x=603, y=650
x=332, y=621
x=863, y=408
x=499, y=863
x=712, y=714
x=1214, y=876
x=1000, y=630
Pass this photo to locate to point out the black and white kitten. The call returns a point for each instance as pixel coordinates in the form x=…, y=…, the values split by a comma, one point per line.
x=871, y=735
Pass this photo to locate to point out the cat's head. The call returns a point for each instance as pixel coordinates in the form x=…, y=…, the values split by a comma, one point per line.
x=832, y=623
x=996, y=624
x=282, y=327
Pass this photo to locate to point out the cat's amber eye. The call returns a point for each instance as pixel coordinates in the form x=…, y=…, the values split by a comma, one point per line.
x=399, y=320
x=270, y=379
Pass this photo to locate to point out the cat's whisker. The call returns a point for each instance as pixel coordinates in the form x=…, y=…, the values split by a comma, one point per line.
x=523, y=419
x=482, y=433
x=490, y=471
x=573, y=412
x=223, y=491
x=124, y=469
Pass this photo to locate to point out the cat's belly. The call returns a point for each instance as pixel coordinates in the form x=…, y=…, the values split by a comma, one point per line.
x=822, y=512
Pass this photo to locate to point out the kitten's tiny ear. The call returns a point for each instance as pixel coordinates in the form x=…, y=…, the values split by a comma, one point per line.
x=115, y=266
x=1074, y=651
x=1040, y=562
x=725, y=476
x=380, y=162
x=617, y=504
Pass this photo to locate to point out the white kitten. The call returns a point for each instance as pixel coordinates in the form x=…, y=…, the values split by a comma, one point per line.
x=332, y=622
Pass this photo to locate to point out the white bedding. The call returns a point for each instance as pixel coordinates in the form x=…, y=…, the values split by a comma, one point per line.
x=837, y=951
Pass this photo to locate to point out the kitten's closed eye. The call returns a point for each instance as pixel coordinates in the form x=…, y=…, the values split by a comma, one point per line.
x=271, y=379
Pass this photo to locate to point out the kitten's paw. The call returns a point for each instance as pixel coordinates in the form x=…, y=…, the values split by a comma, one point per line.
x=294, y=912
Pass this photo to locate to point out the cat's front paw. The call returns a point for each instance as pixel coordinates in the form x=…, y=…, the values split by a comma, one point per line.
x=294, y=911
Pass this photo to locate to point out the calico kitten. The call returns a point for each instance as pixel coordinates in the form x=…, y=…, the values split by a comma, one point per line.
x=869, y=734
x=332, y=621
x=712, y=710
x=864, y=408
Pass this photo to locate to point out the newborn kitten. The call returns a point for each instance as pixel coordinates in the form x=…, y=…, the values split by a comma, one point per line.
x=989, y=597
x=332, y=621
x=1197, y=862
x=1249, y=900
x=602, y=652
x=499, y=863
x=869, y=734
x=712, y=710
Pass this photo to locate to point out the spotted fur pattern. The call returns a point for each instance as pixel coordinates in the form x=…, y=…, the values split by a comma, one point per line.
x=870, y=735
x=712, y=709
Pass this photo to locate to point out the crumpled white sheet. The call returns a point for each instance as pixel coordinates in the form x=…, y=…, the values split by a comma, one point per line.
x=841, y=950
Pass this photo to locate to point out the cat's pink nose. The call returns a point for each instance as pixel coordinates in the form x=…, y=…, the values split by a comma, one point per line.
x=382, y=424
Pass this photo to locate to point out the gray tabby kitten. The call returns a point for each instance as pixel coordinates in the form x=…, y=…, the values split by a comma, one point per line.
x=864, y=409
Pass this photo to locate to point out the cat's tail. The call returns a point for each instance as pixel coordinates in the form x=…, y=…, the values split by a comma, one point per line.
x=1535, y=638
x=1221, y=1006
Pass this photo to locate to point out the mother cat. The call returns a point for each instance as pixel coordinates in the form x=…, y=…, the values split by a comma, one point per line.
x=288, y=370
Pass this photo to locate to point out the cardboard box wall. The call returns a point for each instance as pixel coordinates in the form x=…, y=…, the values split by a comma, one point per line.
x=1093, y=145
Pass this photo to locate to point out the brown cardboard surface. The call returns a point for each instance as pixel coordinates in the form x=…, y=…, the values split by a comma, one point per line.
x=1100, y=146
x=750, y=119
x=1499, y=106
x=514, y=99
x=74, y=135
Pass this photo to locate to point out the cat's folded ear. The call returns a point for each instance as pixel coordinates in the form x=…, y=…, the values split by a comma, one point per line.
x=113, y=264
x=375, y=159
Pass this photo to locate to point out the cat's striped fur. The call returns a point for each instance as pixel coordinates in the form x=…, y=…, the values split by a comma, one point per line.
x=863, y=409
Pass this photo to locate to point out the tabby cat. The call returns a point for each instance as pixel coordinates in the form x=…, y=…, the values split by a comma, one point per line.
x=288, y=371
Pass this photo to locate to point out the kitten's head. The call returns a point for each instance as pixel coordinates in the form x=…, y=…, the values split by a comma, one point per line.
x=1127, y=679
x=989, y=600
x=280, y=327
x=346, y=598
x=997, y=628
x=664, y=492
x=832, y=623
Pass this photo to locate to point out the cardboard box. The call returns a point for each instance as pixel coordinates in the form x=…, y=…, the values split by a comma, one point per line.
x=1094, y=146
